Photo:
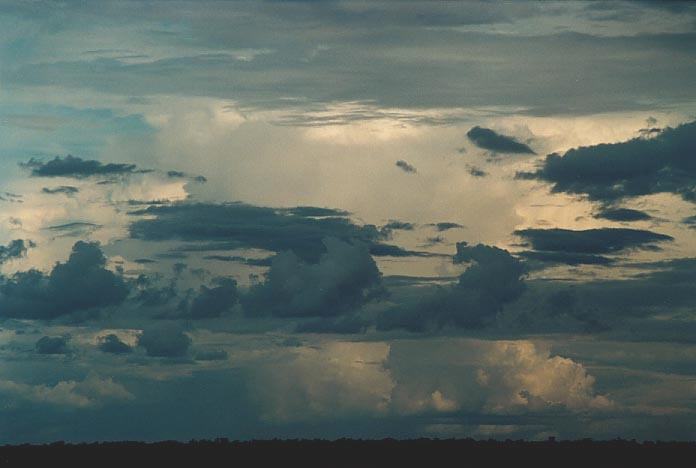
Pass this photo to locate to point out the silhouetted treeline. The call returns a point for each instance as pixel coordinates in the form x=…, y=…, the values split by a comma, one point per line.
x=429, y=453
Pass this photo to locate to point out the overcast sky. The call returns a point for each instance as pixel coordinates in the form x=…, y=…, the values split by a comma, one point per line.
x=347, y=219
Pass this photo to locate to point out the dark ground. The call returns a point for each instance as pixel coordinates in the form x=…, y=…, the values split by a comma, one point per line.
x=355, y=453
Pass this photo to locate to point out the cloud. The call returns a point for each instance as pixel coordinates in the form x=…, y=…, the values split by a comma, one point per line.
x=15, y=249
x=166, y=340
x=476, y=172
x=74, y=229
x=72, y=166
x=493, y=279
x=345, y=277
x=446, y=226
x=52, y=345
x=592, y=241
x=213, y=301
x=212, y=355
x=63, y=189
x=79, y=284
x=238, y=225
x=91, y=392
x=610, y=172
x=406, y=167
x=489, y=140
x=112, y=344
x=567, y=258
x=623, y=214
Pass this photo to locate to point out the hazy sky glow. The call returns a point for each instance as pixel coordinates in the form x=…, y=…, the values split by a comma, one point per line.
x=347, y=219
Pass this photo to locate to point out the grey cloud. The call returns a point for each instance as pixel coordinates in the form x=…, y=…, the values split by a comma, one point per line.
x=476, y=172
x=213, y=301
x=112, y=344
x=610, y=172
x=212, y=355
x=493, y=279
x=567, y=258
x=72, y=166
x=445, y=226
x=406, y=167
x=165, y=341
x=623, y=214
x=74, y=229
x=490, y=140
x=345, y=277
x=592, y=241
x=52, y=345
x=15, y=249
x=79, y=284
x=237, y=225
x=63, y=189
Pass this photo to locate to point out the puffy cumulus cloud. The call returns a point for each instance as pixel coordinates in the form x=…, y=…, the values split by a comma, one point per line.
x=426, y=378
x=487, y=377
x=238, y=225
x=345, y=277
x=493, y=278
x=337, y=379
x=212, y=301
x=112, y=344
x=91, y=392
x=166, y=340
x=622, y=214
x=490, y=140
x=610, y=172
x=587, y=246
x=15, y=249
x=72, y=166
x=52, y=345
x=81, y=283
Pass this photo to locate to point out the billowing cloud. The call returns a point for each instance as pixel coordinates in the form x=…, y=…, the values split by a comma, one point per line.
x=91, y=392
x=112, y=344
x=493, y=279
x=345, y=277
x=490, y=140
x=52, y=345
x=167, y=340
x=79, y=284
x=610, y=172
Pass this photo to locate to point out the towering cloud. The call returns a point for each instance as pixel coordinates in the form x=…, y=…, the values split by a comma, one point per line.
x=79, y=284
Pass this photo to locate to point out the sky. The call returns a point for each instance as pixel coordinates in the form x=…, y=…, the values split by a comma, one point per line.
x=347, y=219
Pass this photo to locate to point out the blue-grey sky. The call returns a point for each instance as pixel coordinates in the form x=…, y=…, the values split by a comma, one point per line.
x=347, y=219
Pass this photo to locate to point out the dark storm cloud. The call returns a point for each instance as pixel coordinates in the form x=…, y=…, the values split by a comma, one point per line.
x=345, y=277
x=406, y=167
x=79, y=284
x=213, y=301
x=493, y=279
x=592, y=241
x=488, y=139
x=623, y=214
x=112, y=344
x=52, y=345
x=237, y=225
x=15, y=249
x=610, y=172
x=165, y=341
x=63, y=189
x=72, y=166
